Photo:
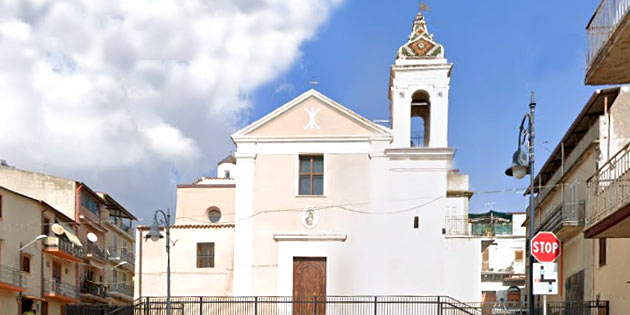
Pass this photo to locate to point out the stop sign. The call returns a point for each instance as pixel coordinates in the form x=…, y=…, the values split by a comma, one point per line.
x=545, y=247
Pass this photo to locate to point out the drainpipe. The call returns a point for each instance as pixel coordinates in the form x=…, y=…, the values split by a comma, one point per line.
x=140, y=263
x=77, y=195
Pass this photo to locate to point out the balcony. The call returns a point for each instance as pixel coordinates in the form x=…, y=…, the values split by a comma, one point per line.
x=119, y=224
x=61, y=291
x=62, y=248
x=121, y=291
x=566, y=220
x=95, y=252
x=120, y=254
x=608, y=199
x=608, y=33
x=465, y=226
x=92, y=290
x=12, y=279
x=573, y=159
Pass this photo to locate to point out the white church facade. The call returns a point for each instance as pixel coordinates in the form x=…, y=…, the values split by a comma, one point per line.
x=318, y=200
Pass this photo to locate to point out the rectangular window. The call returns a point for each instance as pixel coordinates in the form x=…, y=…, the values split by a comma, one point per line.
x=205, y=255
x=88, y=202
x=25, y=263
x=311, y=181
x=602, y=251
x=46, y=227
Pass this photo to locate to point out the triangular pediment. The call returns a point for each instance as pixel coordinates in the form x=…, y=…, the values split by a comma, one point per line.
x=311, y=114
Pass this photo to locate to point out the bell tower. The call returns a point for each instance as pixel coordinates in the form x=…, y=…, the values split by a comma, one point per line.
x=418, y=91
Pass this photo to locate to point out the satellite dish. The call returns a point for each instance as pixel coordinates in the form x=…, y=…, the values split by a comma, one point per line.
x=92, y=237
x=57, y=229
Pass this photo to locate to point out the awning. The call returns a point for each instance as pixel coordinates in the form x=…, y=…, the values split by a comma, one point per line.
x=71, y=237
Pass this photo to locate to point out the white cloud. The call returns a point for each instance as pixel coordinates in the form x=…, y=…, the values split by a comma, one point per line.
x=107, y=90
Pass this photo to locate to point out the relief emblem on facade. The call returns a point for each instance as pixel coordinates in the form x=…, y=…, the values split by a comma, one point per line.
x=312, y=112
x=310, y=217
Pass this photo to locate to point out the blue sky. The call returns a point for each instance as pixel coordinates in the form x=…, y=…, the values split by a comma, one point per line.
x=501, y=51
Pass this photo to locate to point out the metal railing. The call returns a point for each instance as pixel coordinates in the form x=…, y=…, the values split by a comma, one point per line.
x=609, y=188
x=54, y=286
x=603, y=24
x=12, y=276
x=98, y=309
x=121, y=288
x=64, y=245
x=565, y=214
x=331, y=305
x=93, y=288
x=95, y=251
x=417, y=139
x=121, y=253
x=120, y=223
x=463, y=226
x=353, y=305
x=553, y=308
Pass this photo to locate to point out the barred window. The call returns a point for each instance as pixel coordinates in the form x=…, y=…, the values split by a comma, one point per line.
x=205, y=255
x=311, y=175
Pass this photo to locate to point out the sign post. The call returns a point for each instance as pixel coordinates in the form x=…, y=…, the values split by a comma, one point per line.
x=545, y=247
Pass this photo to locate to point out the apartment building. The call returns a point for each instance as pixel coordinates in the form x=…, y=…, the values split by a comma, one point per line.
x=608, y=32
x=575, y=200
x=104, y=243
x=120, y=241
x=39, y=256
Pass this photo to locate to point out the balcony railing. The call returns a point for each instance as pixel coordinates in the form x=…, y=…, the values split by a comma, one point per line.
x=121, y=288
x=94, y=251
x=60, y=288
x=464, y=226
x=120, y=223
x=417, y=139
x=12, y=277
x=64, y=245
x=93, y=288
x=603, y=24
x=564, y=215
x=609, y=188
x=122, y=254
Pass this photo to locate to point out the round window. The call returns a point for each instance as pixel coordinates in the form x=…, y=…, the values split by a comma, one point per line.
x=214, y=215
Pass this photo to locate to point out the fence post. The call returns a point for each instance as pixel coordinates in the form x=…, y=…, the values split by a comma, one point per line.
x=607, y=307
x=146, y=305
x=439, y=306
x=375, y=304
x=201, y=305
x=315, y=300
x=255, y=305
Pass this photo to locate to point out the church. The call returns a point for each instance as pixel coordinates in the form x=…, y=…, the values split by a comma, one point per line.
x=320, y=201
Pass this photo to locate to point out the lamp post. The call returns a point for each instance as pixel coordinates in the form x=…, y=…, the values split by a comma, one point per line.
x=20, y=250
x=155, y=235
x=522, y=165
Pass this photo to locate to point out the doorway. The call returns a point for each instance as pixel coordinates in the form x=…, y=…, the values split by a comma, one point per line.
x=309, y=285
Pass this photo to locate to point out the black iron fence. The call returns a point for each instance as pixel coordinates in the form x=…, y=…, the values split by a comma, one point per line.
x=98, y=309
x=334, y=305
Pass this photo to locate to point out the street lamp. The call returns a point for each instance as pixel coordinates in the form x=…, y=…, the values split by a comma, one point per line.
x=521, y=166
x=155, y=235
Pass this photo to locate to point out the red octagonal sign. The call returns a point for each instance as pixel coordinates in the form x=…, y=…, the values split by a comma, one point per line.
x=545, y=247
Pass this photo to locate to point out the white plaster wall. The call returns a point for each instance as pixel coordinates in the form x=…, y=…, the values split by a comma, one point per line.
x=186, y=278
x=502, y=253
x=56, y=191
x=243, y=231
x=226, y=167
x=432, y=76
